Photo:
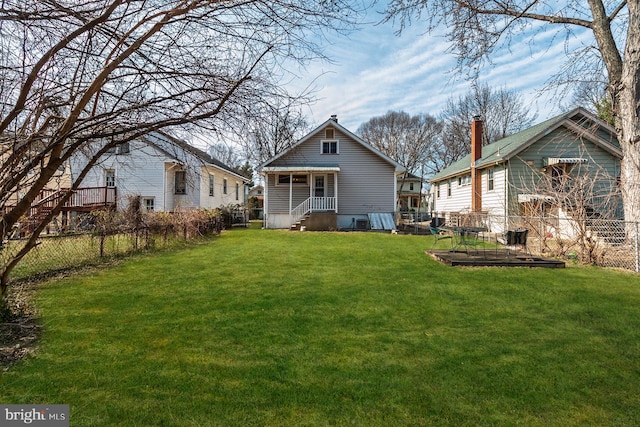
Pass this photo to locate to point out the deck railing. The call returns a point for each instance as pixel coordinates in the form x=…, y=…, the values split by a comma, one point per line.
x=313, y=204
x=92, y=196
x=82, y=198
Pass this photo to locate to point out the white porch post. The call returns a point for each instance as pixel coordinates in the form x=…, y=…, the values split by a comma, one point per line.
x=335, y=189
x=290, y=196
x=265, y=205
x=311, y=189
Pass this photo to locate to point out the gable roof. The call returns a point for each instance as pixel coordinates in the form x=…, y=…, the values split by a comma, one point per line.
x=165, y=142
x=576, y=121
x=334, y=123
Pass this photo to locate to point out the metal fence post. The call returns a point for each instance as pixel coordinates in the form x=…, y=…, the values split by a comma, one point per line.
x=636, y=244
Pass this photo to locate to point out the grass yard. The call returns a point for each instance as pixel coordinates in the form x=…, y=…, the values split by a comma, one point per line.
x=273, y=328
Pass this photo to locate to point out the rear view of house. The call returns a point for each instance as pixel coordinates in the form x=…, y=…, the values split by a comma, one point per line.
x=332, y=179
x=167, y=173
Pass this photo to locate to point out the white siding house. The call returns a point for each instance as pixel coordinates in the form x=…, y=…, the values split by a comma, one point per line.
x=510, y=172
x=167, y=173
x=330, y=173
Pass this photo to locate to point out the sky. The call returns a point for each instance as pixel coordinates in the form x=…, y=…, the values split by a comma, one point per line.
x=373, y=71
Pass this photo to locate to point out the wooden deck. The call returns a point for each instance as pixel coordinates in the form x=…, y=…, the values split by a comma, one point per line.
x=82, y=199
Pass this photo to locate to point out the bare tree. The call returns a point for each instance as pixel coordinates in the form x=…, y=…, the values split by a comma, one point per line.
x=593, y=96
x=404, y=138
x=227, y=154
x=502, y=111
x=477, y=29
x=572, y=208
x=88, y=75
x=278, y=130
x=409, y=140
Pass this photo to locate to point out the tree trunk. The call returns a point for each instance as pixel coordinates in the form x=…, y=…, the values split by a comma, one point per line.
x=628, y=117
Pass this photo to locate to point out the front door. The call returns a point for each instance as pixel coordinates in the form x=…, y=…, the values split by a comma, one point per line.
x=318, y=186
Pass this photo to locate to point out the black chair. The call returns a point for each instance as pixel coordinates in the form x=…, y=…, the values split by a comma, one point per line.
x=517, y=238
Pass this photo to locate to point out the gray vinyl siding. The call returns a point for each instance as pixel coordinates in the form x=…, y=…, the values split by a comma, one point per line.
x=279, y=195
x=366, y=181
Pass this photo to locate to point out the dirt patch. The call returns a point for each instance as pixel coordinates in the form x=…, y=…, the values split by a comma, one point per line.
x=19, y=329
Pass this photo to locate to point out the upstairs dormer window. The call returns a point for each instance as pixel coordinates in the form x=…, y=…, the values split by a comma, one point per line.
x=329, y=147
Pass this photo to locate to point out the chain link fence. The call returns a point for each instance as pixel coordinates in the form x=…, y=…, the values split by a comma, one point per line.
x=108, y=234
x=588, y=240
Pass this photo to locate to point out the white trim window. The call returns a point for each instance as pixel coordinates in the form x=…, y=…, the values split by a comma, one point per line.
x=449, y=188
x=148, y=203
x=123, y=148
x=109, y=178
x=237, y=191
x=329, y=147
x=464, y=180
x=296, y=179
x=224, y=185
x=490, y=180
x=180, y=183
x=212, y=185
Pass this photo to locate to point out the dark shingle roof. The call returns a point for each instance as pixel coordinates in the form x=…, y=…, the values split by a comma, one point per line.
x=158, y=137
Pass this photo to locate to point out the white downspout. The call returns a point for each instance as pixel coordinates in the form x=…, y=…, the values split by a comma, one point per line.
x=164, y=187
x=396, y=199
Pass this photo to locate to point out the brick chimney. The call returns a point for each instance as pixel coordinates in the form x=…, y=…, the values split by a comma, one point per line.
x=476, y=154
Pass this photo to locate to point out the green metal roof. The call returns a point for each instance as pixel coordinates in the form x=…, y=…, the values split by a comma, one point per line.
x=505, y=148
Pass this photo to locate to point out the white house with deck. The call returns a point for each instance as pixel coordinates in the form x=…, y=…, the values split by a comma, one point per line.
x=167, y=173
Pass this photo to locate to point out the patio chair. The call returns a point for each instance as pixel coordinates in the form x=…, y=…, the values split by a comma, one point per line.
x=437, y=234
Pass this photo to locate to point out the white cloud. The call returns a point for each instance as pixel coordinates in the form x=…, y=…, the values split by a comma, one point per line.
x=375, y=71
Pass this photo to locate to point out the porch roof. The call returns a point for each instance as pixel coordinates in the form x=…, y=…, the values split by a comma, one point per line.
x=302, y=168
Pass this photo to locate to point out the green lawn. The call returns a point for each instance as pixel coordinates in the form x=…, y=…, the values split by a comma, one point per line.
x=263, y=327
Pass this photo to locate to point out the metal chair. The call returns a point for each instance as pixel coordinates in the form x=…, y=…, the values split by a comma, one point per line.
x=469, y=240
x=436, y=233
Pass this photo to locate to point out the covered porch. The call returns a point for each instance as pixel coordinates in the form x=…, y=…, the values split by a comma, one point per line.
x=294, y=192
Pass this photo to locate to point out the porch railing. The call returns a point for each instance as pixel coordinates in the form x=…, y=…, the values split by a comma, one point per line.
x=313, y=204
